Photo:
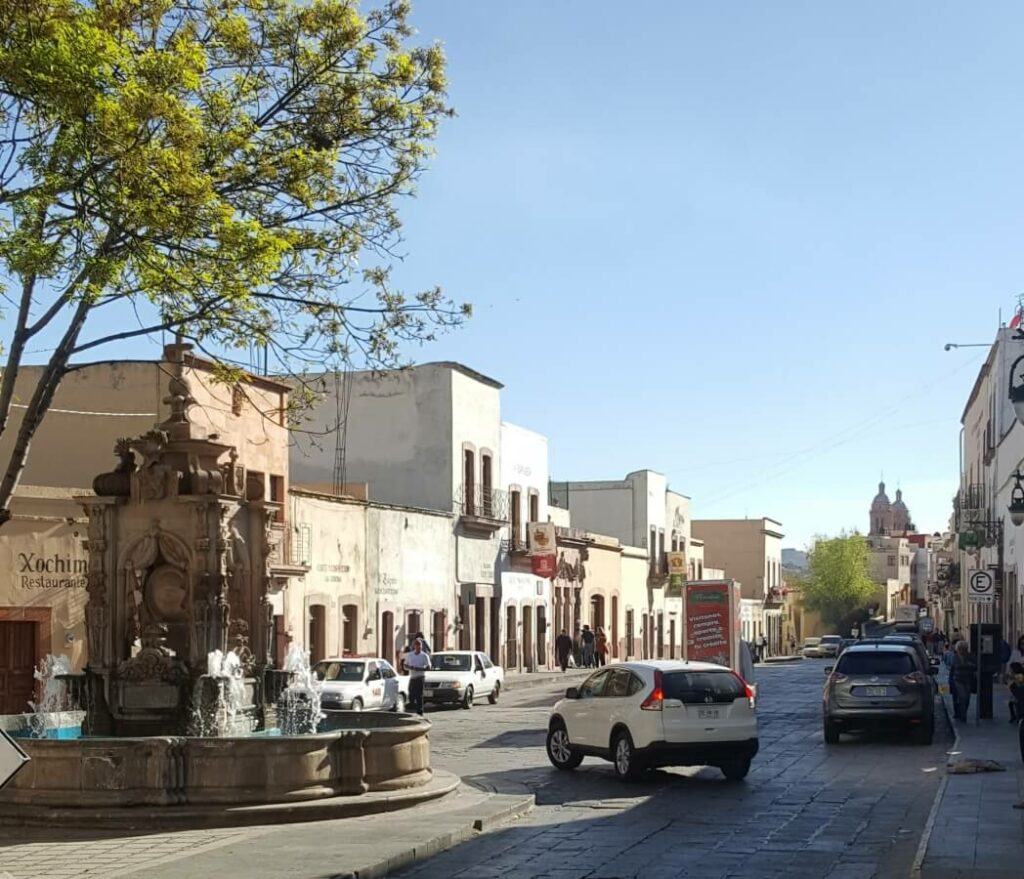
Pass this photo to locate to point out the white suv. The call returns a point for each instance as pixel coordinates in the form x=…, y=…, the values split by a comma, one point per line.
x=663, y=713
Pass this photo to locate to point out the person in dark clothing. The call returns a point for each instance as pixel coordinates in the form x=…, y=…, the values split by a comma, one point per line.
x=963, y=676
x=563, y=647
x=587, y=639
x=423, y=641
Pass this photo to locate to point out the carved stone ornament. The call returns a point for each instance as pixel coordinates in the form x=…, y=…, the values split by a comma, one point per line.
x=154, y=480
x=157, y=542
x=117, y=483
x=154, y=662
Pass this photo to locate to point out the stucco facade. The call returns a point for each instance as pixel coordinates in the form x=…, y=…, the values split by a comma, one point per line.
x=748, y=550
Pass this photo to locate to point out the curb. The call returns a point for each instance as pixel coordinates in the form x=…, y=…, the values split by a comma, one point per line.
x=516, y=807
x=926, y=835
x=174, y=818
x=535, y=679
x=777, y=660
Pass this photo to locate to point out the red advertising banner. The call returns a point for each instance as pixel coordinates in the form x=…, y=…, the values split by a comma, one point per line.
x=708, y=614
x=544, y=565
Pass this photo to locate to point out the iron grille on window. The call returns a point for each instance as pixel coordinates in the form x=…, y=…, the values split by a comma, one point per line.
x=484, y=501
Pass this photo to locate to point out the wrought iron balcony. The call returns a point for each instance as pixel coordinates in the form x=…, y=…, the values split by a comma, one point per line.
x=481, y=502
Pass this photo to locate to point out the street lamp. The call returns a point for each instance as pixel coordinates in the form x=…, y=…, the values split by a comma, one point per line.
x=1017, y=499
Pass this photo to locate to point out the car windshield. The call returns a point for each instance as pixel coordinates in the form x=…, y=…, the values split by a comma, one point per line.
x=875, y=662
x=812, y=642
x=693, y=687
x=831, y=639
x=339, y=671
x=451, y=662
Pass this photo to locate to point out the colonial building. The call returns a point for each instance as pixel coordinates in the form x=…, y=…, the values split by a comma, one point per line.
x=43, y=585
x=887, y=518
x=750, y=551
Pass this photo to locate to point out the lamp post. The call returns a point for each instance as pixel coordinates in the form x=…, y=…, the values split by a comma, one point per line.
x=1016, y=506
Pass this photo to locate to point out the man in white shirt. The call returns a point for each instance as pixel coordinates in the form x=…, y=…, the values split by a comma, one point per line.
x=418, y=663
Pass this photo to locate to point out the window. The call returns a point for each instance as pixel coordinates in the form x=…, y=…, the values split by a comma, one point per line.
x=515, y=495
x=479, y=666
x=255, y=485
x=534, y=505
x=339, y=671
x=595, y=684
x=629, y=633
x=702, y=687
x=652, y=549
x=451, y=662
x=374, y=672
x=875, y=662
x=486, y=501
x=277, y=496
x=621, y=684
x=468, y=481
x=662, y=557
x=487, y=662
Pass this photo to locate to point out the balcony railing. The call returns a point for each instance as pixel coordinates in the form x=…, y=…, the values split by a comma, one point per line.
x=971, y=502
x=483, y=501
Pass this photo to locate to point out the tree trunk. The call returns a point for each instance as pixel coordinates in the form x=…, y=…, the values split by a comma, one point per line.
x=37, y=408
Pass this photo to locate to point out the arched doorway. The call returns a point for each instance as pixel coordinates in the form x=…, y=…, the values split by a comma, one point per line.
x=661, y=635
x=317, y=641
x=349, y=629
x=438, y=630
x=511, y=624
x=387, y=636
x=672, y=639
x=542, y=628
x=615, y=627
x=596, y=612
x=529, y=663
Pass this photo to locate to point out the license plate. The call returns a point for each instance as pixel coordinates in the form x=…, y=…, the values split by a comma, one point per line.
x=707, y=714
x=428, y=692
x=876, y=691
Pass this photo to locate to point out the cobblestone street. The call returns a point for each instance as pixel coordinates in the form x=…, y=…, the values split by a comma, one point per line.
x=856, y=809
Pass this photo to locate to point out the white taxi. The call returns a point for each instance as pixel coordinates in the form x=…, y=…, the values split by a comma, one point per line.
x=460, y=676
x=641, y=715
x=361, y=684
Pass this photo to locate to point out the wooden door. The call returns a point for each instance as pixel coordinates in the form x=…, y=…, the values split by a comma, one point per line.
x=17, y=664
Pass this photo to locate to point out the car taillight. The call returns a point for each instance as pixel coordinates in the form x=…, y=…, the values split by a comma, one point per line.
x=915, y=677
x=657, y=696
x=748, y=691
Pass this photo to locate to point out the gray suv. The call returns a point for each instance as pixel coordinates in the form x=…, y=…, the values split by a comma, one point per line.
x=879, y=685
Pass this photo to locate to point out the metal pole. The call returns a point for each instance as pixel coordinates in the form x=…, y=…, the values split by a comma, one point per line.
x=977, y=699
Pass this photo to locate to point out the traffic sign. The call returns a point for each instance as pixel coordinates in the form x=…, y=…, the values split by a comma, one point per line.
x=981, y=587
x=12, y=758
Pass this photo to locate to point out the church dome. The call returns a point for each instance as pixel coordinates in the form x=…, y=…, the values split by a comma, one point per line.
x=899, y=505
x=881, y=499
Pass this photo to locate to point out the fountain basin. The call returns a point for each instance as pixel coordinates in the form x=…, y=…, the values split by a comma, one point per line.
x=373, y=753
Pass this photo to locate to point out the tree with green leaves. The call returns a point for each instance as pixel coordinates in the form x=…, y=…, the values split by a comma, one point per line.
x=837, y=585
x=217, y=169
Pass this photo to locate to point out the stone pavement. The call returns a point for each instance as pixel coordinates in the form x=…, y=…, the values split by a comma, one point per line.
x=975, y=830
x=853, y=811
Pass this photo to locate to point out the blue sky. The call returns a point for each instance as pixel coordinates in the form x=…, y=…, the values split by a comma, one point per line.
x=728, y=241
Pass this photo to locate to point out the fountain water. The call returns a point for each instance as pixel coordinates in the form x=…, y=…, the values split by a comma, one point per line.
x=221, y=702
x=298, y=709
x=53, y=702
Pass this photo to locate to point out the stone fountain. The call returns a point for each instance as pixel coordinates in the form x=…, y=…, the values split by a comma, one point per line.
x=182, y=702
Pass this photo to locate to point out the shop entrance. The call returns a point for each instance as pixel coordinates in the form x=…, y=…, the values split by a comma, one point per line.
x=17, y=664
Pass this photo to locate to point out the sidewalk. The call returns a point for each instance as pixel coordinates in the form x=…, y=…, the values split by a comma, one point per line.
x=517, y=680
x=974, y=829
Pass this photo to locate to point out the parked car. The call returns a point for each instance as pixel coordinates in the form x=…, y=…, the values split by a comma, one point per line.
x=460, y=676
x=927, y=662
x=882, y=684
x=830, y=644
x=351, y=684
x=640, y=715
x=812, y=648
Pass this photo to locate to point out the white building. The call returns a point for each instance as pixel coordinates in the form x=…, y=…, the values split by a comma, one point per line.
x=525, y=613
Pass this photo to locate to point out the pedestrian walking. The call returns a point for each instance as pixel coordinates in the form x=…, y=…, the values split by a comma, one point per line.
x=762, y=648
x=587, y=642
x=1018, y=652
x=963, y=674
x=563, y=647
x=601, y=647
x=1016, y=687
x=792, y=645
x=418, y=663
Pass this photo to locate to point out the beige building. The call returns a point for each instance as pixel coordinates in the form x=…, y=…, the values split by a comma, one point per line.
x=889, y=562
x=750, y=551
x=42, y=588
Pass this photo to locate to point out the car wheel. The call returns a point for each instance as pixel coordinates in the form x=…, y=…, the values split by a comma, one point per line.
x=627, y=764
x=357, y=704
x=399, y=703
x=467, y=700
x=736, y=770
x=924, y=734
x=560, y=752
x=831, y=733
x=492, y=697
